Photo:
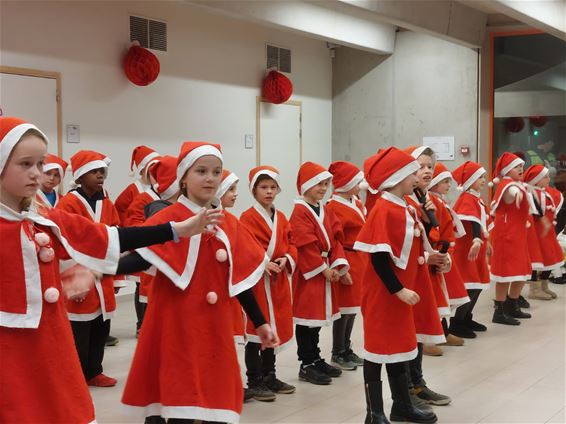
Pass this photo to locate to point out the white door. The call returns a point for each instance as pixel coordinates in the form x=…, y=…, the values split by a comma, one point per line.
x=280, y=146
x=33, y=99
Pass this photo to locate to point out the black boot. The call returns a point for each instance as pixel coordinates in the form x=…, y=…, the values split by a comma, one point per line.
x=403, y=409
x=523, y=303
x=460, y=328
x=374, y=404
x=473, y=325
x=500, y=317
x=511, y=308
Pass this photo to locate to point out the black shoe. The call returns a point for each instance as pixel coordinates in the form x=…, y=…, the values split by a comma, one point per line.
x=500, y=317
x=112, y=341
x=312, y=375
x=154, y=419
x=460, y=329
x=248, y=394
x=511, y=308
x=523, y=303
x=558, y=280
x=276, y=385
x=260, y=391
x=474, y=325
x=374, y=404
x=403, y=409
x=329, y=370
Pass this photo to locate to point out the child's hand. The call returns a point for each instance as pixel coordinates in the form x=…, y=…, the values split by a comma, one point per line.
x=408, y=296
x=203, y=222
x=267, y=337
x=438, y=259
x=328, y=273
x=282, y=262
x=489, y=249
x=474, y=251
x=272, y=267
x=346, y=279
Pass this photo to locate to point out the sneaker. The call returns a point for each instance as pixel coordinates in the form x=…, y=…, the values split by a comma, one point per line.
x=354, y=358
x=431, y=397
x=112, y=341
x=327, y=369
x=261, y=392
x=311, y=374
x=102, y=380
x=278, y=386
x=418, y=402
x=343, y=362
x=248, y=394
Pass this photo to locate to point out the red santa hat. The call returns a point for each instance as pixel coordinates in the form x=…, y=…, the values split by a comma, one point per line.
x=440, y=173
x=228, y=178
x=258, y=171
x=11, y=131
x=85, y=161
x=191, y=151
x=389, y=167
x=534, y=174
x=142, y=156
x=345, y=176
x=310, y=174
x=416, y=151
x=55, y=162
x=467, y=174
x=164, y=172
x=506, y=162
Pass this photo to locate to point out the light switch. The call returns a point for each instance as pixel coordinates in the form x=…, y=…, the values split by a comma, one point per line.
x=73, y=134
x=249, y=141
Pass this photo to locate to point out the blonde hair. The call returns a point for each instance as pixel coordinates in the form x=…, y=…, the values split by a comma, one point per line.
x=26, y=202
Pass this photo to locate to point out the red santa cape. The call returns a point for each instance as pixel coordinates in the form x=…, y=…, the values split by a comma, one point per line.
x=551, y=252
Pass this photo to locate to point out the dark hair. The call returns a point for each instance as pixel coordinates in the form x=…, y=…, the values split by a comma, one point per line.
x=263, y=177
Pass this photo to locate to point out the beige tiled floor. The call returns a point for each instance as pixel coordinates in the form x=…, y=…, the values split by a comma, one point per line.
x=506, y=375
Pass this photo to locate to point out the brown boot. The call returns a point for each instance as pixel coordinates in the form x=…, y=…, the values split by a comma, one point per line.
x=535, y=291
x=544, y=288
x=432, y=350
x=452, y=340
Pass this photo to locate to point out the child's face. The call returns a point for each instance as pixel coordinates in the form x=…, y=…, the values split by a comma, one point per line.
x=229, y=198
x=424, y=174
x=408, y=184
x=265, y=192
x=21, y=176
x=49, y=180
x=93, y=181
x=443, y=187
x=516, y=173
x=354, y=191
x=202, y=179
x=544, y=182
x=317, y=192
x=479, y=184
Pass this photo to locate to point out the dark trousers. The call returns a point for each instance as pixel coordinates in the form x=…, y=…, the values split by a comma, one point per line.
x=259, y=363
x=372, y=371
x=90, y=337
x=155, y=419
x=140, y=307
x=307, y=343
x=415, y=369
x=464, y=311
x=341, y=333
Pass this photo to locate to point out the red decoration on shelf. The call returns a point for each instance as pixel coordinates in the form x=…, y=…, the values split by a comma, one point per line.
x=141, y=66
x=538, y=121
x=277, y=88
x=515, y=124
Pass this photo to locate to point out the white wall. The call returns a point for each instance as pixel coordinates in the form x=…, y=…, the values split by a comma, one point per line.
x=428, y=87
x=207, y=88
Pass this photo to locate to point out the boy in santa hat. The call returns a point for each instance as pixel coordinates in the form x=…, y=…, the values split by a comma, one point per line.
x=53, y=173
x=396, y=280
x=344, y=203
x=321, y=265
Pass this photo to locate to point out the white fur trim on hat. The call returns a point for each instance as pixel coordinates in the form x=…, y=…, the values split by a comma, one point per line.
x=442, y=176
x=473, y=178
x=95, y=164
x=400, y=175
x=145, y=161
x=273, y=175
x=226, y=184
x=194, y=155
x=539, y=177
x=358, y=178
x=314, y=181
x=515, y=162
x=169, y=191
x=11, y=139
x=421, y=149
x=49, y=166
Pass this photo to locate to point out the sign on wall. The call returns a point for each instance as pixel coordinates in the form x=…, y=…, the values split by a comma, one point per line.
x=442, y=146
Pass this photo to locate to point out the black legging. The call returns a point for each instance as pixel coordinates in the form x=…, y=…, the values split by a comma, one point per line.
x=341, y=333
x=465, y=310
x=372, y=370
x=259, y=363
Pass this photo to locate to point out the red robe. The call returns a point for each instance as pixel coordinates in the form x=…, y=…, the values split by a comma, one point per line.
x=185, y=364
x=101, y=299
x=273, y=291
x=510, y=261
x=41, y=380
x=352, y=217
x=392, y=327
x=319, y=247
x=552, y=255
x=470, y=208
x=125, y=199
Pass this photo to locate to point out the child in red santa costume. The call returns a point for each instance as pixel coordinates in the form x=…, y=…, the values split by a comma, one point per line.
x=185, y=366
x=53, y=173
x=322, y=265
x=49, y=387
x=273, y=292
x=473, y=247
x=346, y=178
x=395, y=282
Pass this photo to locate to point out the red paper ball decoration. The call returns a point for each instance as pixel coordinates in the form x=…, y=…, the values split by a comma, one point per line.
x=515, y=124
x=141, y=66
x=277, y=88
x=538, y=121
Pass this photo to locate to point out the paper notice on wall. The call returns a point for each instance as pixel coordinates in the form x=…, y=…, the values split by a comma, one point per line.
x=442, y=146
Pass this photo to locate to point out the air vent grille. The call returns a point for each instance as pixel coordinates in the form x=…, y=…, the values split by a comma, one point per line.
x=150, y=33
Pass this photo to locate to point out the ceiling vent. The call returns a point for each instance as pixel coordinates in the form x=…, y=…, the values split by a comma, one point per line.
x=150, y=33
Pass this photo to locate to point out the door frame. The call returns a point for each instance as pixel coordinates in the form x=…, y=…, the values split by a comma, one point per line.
x=27, y=72
x=259, y=101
